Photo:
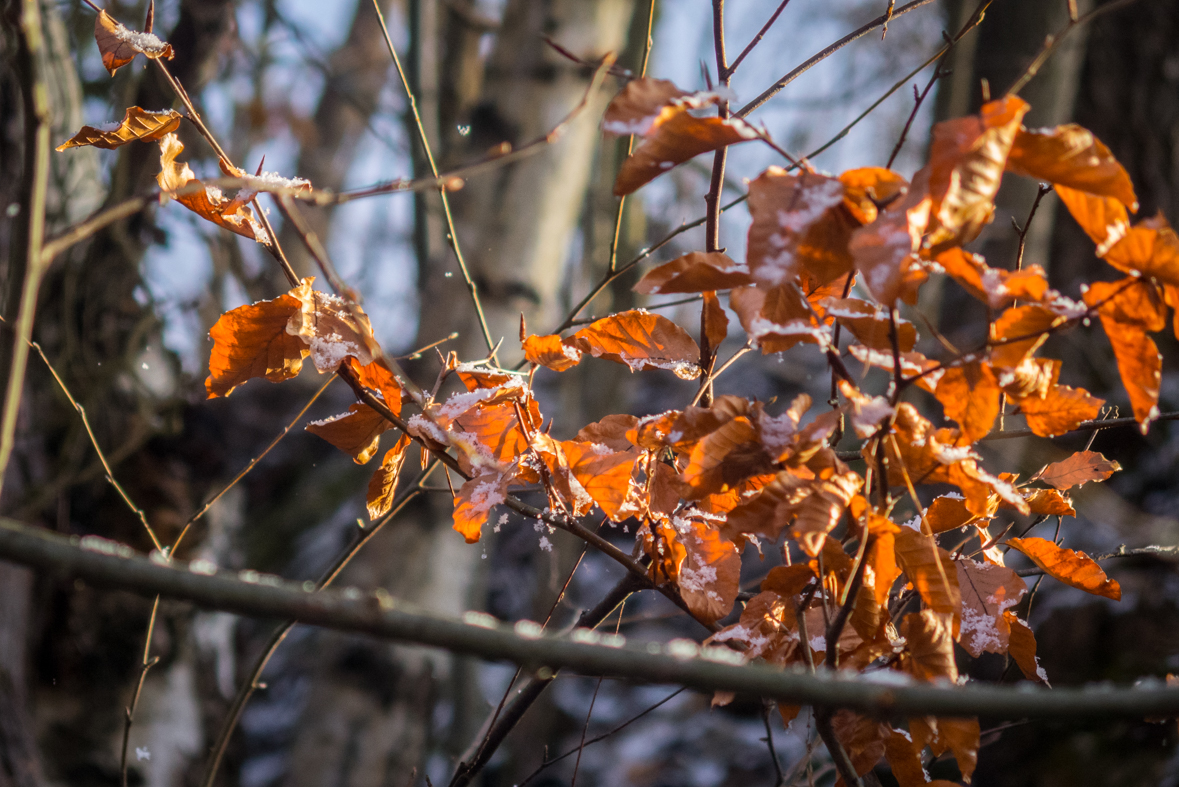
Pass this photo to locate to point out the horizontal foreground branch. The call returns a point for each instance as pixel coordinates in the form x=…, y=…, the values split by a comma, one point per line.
x=680, y=662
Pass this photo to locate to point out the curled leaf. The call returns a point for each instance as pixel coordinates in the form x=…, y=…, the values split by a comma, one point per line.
x=383, y=484
x=356, y=432
x=206, y=201
x=137, y=123
x=253, y=341
x=119, y=46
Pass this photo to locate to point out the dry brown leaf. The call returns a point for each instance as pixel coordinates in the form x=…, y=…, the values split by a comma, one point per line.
x=697, y=271
x=1022, y=648
x=862, y=737
x=1072, y=568
x=137, y=124
x=1128, y=310
x=658, y=111
x=929, y=644
x=987, y=592
x=334, y=329
x=376, y=375
x=383, y=484
x=715, y=323
x=1071, y=156
x=777, y=318
x=206, y=201
x=799, y=223
x=870, y=324
x=253, y=341
x=610, y=431
x=641, y=340
x=1078, y=470
x=937, y=584
x=788, y=581
x=966, y=160
x=948, y=513
x=356, y=432
x=904, y=757
x=1049, y=502
x=885, y=251
x=710, y=575
x=119, y=46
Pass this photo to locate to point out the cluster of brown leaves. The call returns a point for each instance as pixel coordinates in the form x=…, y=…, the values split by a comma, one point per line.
x=704, y=482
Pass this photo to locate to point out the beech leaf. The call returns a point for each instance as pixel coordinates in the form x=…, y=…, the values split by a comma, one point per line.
x=1071, y=156
x=641, y=340
x=1078, y=470
x=694, y=272
x=474, y=501
x=206, y=201
x=1072, y=568
x=137, y=123
x=1060, y=410
x=253, y=341
x=119, y=46
x=383, y=484
x=987, y=592
x=356, y=432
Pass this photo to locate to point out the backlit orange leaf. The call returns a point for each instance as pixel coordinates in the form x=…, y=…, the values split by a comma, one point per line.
x=929, y=645
x=641, y=340
x=377, y=376
x=356, y=432
x=987, y=592
x=1104, y=219
x=798, y=224
x=881, y=557
x=724, y=457
x=551, y=351
x=966, y=159
x=1049, y=502
x=936, y=581
x=970, y=395
x=1033, y=377
x=1072, y=568
x=1150, y=248
x=383, y=484
x=993, y=286
x=1022, y=648
x=137, y=124
x=694, y=272
x=710, y=575
x=867, y=188
x=948, y=513
x=1071, y=156
x=119, y=46
x=565, y=491
x=659, y=112
x=885, y=251
x=496, y=432
x=606, y=476
x=1078, y=470
x=207, y=201
x=819, y=512
x=1019, y=332
x=1128, y=309
x=1060, y=410
x=870, y=323
x=253, y=341
x=474, y=501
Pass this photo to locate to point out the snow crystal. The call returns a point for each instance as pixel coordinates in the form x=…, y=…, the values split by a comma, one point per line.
x=888, y=677
x=545, y=544
x=142, y=753
x=820, y=197
x=272, y=180
x=487, y=494
x=914, y=523
x=106, y=128
x=819, y=643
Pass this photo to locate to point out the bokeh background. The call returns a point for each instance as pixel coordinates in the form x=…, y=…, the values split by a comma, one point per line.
x=309, y=85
